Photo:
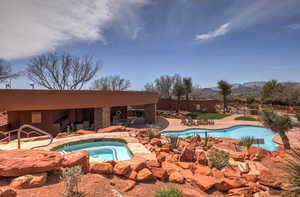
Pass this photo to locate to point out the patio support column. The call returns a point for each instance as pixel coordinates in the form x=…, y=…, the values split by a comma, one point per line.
x=150, y=113
x=101, y=117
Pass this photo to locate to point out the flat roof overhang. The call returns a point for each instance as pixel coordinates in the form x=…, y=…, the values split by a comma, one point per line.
x=22, y=100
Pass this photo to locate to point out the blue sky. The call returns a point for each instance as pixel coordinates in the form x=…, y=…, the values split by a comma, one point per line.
x=140, y=40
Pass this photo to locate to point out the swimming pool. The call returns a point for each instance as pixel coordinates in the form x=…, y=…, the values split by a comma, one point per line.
x=236, y=132
x=103, y=150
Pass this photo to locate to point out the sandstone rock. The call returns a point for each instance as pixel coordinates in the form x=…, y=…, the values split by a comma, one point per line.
x=267, y=179
x=7, y=192
x=204, y=182
x=122, y=168
x=112, y=129
x=192, y=193
x=78, y=158
x=160, y=173
x=238, y=156
x=203, y=170
x=152, y=163
x=130, y=185
x=101, y=168
x=217, y=173
x=161, y=156
x=188, y=154
x=155, y=142
x=83, y=132
x=201, y=158
x=232, y=173
x=185, y=165
x=243, y=167
x=29, y=181
x=145, y=175
x=255, y=153
x=187, y=174
x=138, y=165
x=176, y=177
x=251, y=177
x=132, y=175
x=22, y=162
x=227, y=184
x=170, y=167
x=244, y=192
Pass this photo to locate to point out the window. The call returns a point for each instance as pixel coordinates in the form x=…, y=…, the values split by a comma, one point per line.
x=36, y=117
x=198, y=107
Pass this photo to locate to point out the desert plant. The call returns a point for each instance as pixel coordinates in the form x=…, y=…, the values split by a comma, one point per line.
x=218, y=158
x=174, y=141
x=169, y=193
x=279, y=123
x=247, y=141
x=292, y=172
x=71, y=179
x=150, y=133
x=225, y=90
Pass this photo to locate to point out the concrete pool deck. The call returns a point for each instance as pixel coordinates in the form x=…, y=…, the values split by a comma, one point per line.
x=229, y=121
x=136, y=148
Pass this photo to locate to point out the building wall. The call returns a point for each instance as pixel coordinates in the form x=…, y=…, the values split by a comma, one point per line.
x=191, y=105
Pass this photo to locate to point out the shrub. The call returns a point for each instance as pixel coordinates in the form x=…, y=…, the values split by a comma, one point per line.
x=247, y=141
x=292, y=172
x=150, y=133
x=246, y=118
x=169, y=193
x=218, y=158
x=71, y=178
x=174, y=141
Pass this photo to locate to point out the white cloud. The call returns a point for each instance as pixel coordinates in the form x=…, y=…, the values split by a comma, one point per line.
x=220, y=31
x=294, y=26
x=31, y=27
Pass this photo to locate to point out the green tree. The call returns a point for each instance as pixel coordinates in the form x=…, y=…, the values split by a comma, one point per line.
x=178, y=91
x=188, y=86
x=269, y=90
x=278, y=123
x=225, y=90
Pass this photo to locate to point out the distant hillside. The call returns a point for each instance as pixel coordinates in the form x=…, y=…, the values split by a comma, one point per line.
x=243, y=89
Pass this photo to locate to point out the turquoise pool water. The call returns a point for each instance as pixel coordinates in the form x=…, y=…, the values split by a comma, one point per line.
x=101, y=150
x=234, y=132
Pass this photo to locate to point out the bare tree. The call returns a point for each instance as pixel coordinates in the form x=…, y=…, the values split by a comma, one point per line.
x=61, y=71
x=5, y=71
x=149, y=87
x=111, y=83
x=196, y=92
x=164, y=85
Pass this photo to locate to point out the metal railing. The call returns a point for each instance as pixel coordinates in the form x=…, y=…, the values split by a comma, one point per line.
x=20, y=130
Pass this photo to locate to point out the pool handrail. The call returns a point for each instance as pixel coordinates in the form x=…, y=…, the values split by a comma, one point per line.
x=36, y=129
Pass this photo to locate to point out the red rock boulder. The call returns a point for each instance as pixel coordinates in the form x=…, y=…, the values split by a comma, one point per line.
x=204, y=182
x=227, y=184
x=101, y=168
x=84, y=132
x=122, y=168
x=22, y=162
x=188, y=154
x=155, y=142
x=145, y=175
x=152, y=164
x=78, y=158
x=201, y=158
x=176, y=177
x=192, y=193
x=29, y=181
x=256, y=154
x=112, y=129
x=7, y=192
x=160, y=173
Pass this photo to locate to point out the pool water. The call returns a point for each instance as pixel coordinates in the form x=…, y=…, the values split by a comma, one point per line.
x=234, y=132
x=101, y=150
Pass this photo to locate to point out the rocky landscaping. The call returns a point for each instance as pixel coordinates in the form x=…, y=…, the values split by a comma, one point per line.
x=197, y=166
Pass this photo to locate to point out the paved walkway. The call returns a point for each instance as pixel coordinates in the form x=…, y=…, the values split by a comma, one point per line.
x=229, y=121
x=294, y=138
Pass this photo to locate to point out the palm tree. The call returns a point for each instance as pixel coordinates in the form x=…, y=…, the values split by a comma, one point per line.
x=268, y=90
x=278, y=123
x=178, y=91
x=188, y=87
x=225, y=90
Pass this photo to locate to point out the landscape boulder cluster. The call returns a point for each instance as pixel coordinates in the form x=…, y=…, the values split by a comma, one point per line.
x=185, y=162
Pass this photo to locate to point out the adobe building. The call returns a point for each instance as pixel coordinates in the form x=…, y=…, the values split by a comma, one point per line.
x=54, y=110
